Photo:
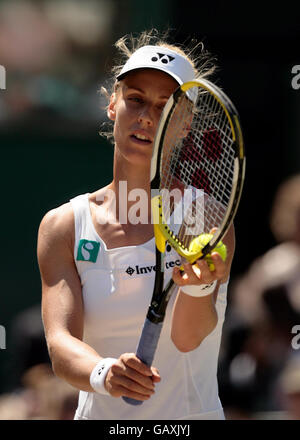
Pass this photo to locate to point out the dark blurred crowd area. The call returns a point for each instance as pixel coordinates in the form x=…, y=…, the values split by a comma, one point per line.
x=259, y=368
x=57, y=55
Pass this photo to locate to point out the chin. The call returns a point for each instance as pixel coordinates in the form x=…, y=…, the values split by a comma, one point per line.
x=138, y=156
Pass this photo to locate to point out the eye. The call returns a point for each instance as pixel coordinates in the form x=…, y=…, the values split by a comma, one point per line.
x=135, y=99
x=160, y=107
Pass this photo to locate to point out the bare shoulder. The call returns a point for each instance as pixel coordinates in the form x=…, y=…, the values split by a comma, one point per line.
x=56, y=230
x=58, y=222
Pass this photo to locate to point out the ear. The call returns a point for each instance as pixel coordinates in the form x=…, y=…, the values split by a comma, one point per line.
x=111, y=109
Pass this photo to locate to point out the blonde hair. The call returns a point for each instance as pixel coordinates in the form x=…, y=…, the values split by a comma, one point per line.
x=201, y=60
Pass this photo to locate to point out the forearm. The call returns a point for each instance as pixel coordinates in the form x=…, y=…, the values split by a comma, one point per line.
x=72, y=360
x=193, y=319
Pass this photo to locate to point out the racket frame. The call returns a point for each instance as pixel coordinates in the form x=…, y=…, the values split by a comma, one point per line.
x=162, y=231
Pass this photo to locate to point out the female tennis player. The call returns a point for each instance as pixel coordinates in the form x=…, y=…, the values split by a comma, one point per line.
x=97, y=269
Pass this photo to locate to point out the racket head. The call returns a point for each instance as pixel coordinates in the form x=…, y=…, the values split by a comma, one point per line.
x=197, y=168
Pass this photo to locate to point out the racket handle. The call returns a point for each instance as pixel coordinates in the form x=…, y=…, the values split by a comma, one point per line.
x=146, y=349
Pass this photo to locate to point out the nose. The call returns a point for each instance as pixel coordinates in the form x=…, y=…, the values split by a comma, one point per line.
x=145, y=118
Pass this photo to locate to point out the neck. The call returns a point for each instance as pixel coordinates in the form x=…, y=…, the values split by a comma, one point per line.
x=131, y=185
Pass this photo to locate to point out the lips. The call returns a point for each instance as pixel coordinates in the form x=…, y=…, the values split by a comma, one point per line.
x=141, y=137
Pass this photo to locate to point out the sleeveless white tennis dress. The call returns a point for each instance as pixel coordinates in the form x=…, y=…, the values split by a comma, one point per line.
x=117, y=287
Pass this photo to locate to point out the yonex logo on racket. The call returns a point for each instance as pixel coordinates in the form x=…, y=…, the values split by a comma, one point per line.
x=163, y=58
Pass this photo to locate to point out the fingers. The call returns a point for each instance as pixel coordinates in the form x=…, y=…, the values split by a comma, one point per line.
x=155, y=375
x=206, y=275
x=193, y=274
x=132, y=378
x=200, y=272
x=219, y=264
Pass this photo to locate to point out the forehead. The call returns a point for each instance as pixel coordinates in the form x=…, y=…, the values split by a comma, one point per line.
x=150, y=80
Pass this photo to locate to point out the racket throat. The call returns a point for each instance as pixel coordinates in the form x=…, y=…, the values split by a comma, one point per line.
x=155, y=314
x=157, y=308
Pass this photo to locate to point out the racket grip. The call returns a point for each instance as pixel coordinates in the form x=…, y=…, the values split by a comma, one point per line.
x=146, y=349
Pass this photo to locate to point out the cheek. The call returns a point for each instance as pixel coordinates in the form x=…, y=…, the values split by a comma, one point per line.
x=121, y=123
x=124, y=117
x=120, y=120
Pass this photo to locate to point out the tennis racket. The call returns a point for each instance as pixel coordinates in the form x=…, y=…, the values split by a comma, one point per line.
x=197, y=174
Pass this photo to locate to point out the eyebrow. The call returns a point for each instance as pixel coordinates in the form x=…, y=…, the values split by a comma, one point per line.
x=142, y=91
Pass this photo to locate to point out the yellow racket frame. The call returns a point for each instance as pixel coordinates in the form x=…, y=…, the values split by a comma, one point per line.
x=161, y=230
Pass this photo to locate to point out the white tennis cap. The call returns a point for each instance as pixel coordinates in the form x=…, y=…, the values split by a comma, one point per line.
x=160, y=58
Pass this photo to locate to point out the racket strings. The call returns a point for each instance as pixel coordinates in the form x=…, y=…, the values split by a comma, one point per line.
x=171, y=157
x=197, y=153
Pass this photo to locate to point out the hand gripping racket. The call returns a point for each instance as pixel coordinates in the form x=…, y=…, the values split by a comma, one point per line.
x=197, y=174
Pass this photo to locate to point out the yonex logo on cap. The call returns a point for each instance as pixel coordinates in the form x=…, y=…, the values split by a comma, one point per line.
x=163, y=58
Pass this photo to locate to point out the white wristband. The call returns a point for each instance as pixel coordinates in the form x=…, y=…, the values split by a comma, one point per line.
x=98, y=375
x=196, y=290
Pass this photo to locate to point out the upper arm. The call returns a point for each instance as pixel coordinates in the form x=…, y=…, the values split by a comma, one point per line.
x=62, y=308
